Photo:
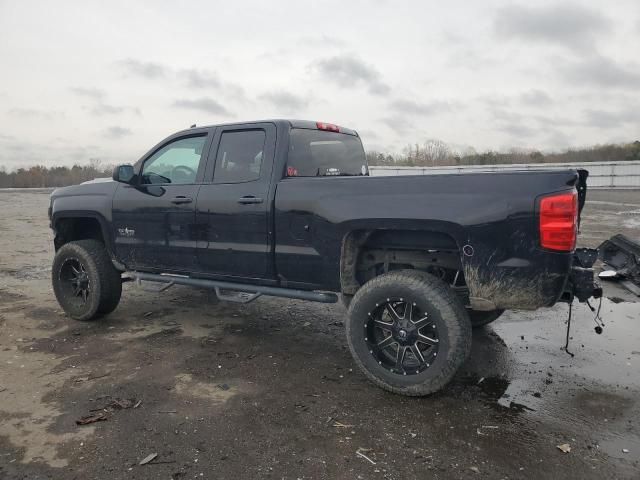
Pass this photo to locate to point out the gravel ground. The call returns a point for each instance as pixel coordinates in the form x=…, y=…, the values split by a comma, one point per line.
x=269, y=390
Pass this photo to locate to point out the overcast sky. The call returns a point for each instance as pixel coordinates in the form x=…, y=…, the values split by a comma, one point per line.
x=107, y=80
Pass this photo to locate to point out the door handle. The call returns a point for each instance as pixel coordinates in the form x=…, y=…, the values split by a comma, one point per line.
x=249, y=199
x=181, y=199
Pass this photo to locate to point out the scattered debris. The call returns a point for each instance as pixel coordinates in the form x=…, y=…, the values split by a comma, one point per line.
x=93, y=418
x=148, y=314
x=224, y=386
x=622, y=254
x=167, y=411
x=608, y=274
x=480, y=381
x=120, y=404
x=102, y=413
x=341, y=425
x=474, y=469
x=89, y=378
x=148, y=458
x=360, y=454
x=625, y=450
x=564, y=448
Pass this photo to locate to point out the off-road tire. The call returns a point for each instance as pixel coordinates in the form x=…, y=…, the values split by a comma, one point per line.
x=104, y=280
x=480, y=319
x=442, y=306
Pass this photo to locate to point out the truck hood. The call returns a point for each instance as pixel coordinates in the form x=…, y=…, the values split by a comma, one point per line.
x=99, y=187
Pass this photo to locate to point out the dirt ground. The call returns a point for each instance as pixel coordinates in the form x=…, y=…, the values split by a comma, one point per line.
x=269, y=390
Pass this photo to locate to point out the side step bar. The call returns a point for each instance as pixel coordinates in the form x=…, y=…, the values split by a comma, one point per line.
x=323, y=297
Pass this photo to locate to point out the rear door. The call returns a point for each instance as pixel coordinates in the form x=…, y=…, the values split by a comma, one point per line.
x=154, y=220
x=233, y=209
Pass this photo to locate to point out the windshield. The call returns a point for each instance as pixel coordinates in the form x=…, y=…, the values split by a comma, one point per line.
x=318, y=153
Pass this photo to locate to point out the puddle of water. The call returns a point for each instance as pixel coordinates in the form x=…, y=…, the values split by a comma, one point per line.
x=597, y=391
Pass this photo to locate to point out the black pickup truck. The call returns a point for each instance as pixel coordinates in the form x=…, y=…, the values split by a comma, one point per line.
x=287, y=208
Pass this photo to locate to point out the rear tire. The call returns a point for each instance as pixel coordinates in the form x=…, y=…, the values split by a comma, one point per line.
x=480, y=319
x=408, y=332
x=85, y=282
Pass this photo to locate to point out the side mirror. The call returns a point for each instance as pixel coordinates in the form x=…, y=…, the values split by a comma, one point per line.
x=124, y=173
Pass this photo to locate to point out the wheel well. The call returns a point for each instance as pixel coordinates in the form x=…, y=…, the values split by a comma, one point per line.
x=369, y=253
x=77, y=228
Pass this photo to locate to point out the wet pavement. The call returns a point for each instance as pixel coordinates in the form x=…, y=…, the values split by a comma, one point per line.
x=269, y=390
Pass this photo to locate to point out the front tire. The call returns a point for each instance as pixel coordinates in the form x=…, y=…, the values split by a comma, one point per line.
x=84, y=280
x=408, y=332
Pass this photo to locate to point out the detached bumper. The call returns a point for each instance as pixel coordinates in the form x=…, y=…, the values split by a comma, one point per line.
x=581, y=284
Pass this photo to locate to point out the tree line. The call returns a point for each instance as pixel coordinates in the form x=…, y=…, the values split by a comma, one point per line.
x=432, y=153
x=435, y=153
x=40, y=176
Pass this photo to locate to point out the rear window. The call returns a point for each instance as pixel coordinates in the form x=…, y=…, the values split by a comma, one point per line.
x=317, y=153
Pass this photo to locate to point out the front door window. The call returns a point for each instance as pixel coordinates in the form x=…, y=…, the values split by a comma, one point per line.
x=175, y=163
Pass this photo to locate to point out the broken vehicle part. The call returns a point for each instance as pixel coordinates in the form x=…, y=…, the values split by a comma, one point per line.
x=622, y=254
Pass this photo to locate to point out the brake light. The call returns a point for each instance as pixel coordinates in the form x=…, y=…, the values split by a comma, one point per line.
x=328, y=127
x=559, y=221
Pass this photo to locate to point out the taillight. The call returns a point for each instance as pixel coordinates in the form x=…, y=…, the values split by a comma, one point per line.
x=328, y=126
x=559, y=221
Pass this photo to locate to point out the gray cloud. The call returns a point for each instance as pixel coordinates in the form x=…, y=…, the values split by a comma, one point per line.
x=102, y=109
x=90, y=92
x=323, y=41
x=285, y=101
x=601, y=71
x=349, y=71
x=204, y=104
x=570, y=25
x=200, y=78
x=518, y=130
x=398, y=123
x=32, y=113
x=411, y=107
x=611, y=119
x=139, y=68
x=536, y=98
x=116, y=132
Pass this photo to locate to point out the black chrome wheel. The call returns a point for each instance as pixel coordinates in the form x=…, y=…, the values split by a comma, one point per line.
x=74, y=279
x=401, y=336
x=408, y=332
x=84, y=280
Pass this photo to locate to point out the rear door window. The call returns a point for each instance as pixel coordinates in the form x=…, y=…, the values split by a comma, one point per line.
x=318, y=153
x=240, y=155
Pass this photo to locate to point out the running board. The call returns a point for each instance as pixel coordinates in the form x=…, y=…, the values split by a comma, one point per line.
x=323, y=297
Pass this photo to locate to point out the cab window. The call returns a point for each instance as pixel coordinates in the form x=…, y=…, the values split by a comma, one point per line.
x=239, y=157
x=175, y=163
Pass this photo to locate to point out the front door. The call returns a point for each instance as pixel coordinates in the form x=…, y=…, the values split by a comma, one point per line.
x=233, y=209
x=154, y=219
